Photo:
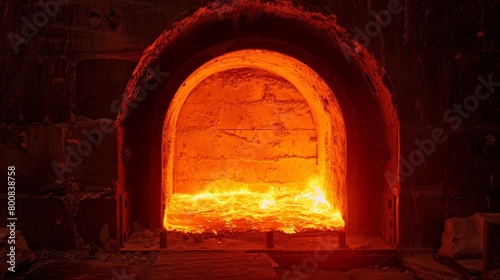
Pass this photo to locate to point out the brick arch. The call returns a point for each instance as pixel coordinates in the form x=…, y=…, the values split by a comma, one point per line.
x=361, y=87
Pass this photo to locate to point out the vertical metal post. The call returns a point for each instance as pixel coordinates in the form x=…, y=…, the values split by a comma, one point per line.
x=163, y=239
x=342, y=240
x=270, y=239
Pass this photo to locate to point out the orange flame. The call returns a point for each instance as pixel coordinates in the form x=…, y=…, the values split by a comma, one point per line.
x=282, y=209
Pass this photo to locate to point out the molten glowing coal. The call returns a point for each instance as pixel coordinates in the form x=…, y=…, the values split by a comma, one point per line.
x=289, y=210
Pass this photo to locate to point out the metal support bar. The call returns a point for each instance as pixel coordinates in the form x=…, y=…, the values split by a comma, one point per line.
x=163, y=240
x=270, y=239
x=342, y=240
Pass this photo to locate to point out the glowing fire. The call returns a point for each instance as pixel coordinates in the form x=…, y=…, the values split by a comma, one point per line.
x=283, y=209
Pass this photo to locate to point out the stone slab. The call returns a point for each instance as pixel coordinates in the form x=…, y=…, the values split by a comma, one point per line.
x=213, y=265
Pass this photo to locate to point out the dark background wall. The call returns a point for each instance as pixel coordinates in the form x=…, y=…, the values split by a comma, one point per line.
x=65, y=78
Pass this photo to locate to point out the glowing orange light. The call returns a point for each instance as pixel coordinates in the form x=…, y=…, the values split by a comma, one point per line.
x=217, y=209
x=242, y=136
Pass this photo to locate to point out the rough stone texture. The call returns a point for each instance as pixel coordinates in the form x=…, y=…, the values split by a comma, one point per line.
x=50, y=228
x=213, y=265
x=433, y=57
x=34, y=149
x=99, y=167
x=62, y=216
x=31, y=149
x=67, y=73
x=353, y=274
x=247, y=126
x=491, y=256
x=90, y=271
x=35, y=75
x=247, y=144
x=94, y=215
x=463, y=237
x=23, y=255
x=99, y=83
x=140, y=24
x=425, y=266
x=111, y=246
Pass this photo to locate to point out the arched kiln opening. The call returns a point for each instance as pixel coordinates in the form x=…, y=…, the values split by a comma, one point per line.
x=314, y=61
x=256, y=139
